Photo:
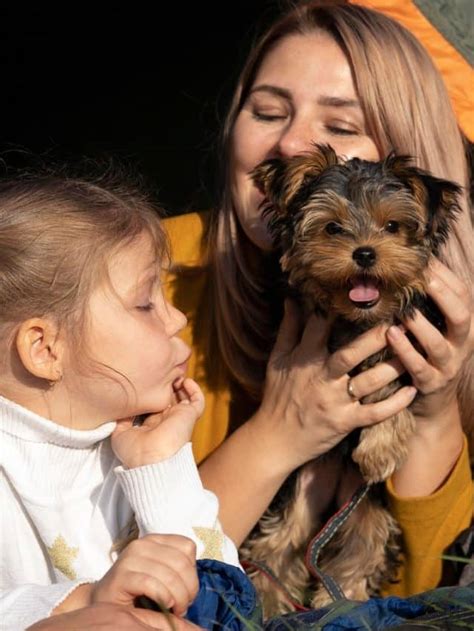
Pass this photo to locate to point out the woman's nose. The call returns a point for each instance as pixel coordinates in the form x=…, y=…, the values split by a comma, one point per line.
x=297, y=138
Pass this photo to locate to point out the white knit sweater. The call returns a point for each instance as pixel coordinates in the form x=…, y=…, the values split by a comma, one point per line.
x=65, y=500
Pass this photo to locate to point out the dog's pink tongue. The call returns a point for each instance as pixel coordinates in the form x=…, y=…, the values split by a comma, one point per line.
x=363, y=290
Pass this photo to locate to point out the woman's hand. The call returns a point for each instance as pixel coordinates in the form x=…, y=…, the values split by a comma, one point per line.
x=162, y=567
x=160, y=435
x=435, y=447
x=306, y=404
x=437, y=374
x=108, y=617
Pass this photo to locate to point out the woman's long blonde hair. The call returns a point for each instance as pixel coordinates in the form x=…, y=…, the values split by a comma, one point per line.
x=407, y=109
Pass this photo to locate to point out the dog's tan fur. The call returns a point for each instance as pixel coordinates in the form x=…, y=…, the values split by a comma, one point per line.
x=304, y=195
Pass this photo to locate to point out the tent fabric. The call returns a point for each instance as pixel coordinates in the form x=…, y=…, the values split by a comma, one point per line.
x=445, y=28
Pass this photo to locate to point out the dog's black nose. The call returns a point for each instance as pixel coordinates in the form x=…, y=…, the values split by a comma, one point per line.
x=365, y=256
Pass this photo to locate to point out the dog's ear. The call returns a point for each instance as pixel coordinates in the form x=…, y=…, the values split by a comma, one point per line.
x=280, y=179
x=439, y=197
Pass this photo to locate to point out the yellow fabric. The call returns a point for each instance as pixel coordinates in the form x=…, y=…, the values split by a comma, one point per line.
x=185, y=291
x=429, y=524
x=457, y=73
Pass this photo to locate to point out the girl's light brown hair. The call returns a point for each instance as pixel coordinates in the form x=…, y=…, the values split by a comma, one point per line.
x=56, y=235
x=407, y=110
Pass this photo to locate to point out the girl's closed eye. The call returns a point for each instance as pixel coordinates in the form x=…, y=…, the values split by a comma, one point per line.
x=148, y=306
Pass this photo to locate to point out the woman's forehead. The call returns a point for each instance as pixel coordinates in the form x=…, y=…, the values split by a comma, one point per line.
x=312, y=64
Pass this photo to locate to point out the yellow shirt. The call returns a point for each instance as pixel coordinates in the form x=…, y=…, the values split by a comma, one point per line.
x=429, y=524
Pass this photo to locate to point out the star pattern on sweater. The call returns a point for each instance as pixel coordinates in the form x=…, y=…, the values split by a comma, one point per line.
x=213, y=541
x=62, y=556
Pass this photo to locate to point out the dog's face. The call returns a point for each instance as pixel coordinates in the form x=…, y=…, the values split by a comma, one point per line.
x=355, y=236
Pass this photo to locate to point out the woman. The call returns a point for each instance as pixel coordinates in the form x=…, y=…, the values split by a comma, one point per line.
x=350, y=77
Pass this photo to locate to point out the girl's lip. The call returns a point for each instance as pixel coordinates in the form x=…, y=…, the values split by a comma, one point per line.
x=184, y=364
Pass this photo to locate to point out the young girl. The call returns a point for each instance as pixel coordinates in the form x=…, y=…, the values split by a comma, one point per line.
x=86, y=337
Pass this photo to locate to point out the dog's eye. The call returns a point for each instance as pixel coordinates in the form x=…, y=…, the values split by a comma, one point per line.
x=333, y=228
x=392, y=226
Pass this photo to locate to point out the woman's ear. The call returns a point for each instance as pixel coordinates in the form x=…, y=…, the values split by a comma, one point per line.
x=40, y=349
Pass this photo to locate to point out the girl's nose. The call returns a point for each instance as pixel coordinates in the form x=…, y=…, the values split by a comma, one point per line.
x=176, y=320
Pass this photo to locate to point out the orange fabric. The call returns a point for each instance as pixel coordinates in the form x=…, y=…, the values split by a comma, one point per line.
x=457, y=73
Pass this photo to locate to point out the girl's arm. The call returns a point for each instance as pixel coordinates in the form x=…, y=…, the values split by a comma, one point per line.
x=161, y=481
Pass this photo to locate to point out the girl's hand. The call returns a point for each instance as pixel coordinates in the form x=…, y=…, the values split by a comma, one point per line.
x=108, y=617
x=162, y=567
x=161, y=435
x=437, y=375
x=306, y=407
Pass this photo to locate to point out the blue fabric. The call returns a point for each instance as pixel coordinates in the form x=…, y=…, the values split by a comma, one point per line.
x=444, y=608
x=226, y=599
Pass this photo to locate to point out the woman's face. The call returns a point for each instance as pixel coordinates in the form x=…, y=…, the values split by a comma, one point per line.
x=303, y=94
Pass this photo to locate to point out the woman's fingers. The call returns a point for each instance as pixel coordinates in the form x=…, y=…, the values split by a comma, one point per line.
x=439, y=271
x=373, y=379
x=289, y=331
x=347, y=358
x=371, y=413
x=453, y=299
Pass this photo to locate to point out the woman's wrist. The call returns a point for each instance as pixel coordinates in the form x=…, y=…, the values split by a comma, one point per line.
x=433, y=451
x=276, y=447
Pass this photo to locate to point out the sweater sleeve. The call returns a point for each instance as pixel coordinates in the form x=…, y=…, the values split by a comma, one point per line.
x=429, y=525
x=168, y=498
x=22, y=606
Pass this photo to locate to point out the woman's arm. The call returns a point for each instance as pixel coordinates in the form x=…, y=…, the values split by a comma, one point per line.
x=306, y=410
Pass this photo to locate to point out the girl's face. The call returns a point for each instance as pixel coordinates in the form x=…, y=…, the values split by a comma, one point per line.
x=132, y=340
x=303, y=93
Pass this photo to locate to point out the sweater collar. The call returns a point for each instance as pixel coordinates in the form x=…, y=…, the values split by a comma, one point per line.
x=22, y=423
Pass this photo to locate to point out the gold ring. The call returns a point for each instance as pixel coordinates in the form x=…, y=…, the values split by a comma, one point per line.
x=350, y=390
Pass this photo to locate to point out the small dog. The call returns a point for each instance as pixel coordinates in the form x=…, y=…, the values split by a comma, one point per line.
x=355, y=238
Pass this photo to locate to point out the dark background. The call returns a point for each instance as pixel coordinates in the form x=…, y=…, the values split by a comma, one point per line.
x=147, y=83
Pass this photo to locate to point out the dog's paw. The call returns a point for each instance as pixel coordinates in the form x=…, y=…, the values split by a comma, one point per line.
x=382, y=448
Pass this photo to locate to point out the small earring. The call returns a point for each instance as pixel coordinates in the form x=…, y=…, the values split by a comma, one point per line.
x=54, y=382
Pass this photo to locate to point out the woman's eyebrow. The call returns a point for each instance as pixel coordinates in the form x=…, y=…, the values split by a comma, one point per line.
x=337, y=101
x=272, y=89
x=328, y=101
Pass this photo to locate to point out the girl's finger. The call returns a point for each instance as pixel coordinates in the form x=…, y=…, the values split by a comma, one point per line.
x=347, y=358
x=377, y=377
x=371, y=413
x=143, y=584
x=123, y=425
x=183, y=544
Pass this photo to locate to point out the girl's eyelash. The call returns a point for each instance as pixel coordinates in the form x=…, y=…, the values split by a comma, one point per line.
x=148, y=307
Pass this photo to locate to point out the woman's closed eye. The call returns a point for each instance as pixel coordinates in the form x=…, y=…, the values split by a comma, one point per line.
x=267, y=116
x=339, y=130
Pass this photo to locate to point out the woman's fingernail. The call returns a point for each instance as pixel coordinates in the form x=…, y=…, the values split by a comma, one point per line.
x=394, y=332
x=412, y=391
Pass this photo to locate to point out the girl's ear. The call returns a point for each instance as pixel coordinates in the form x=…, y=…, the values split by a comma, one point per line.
x=40, y=349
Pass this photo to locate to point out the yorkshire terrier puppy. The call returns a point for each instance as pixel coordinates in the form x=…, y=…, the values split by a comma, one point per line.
x=355, y=238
